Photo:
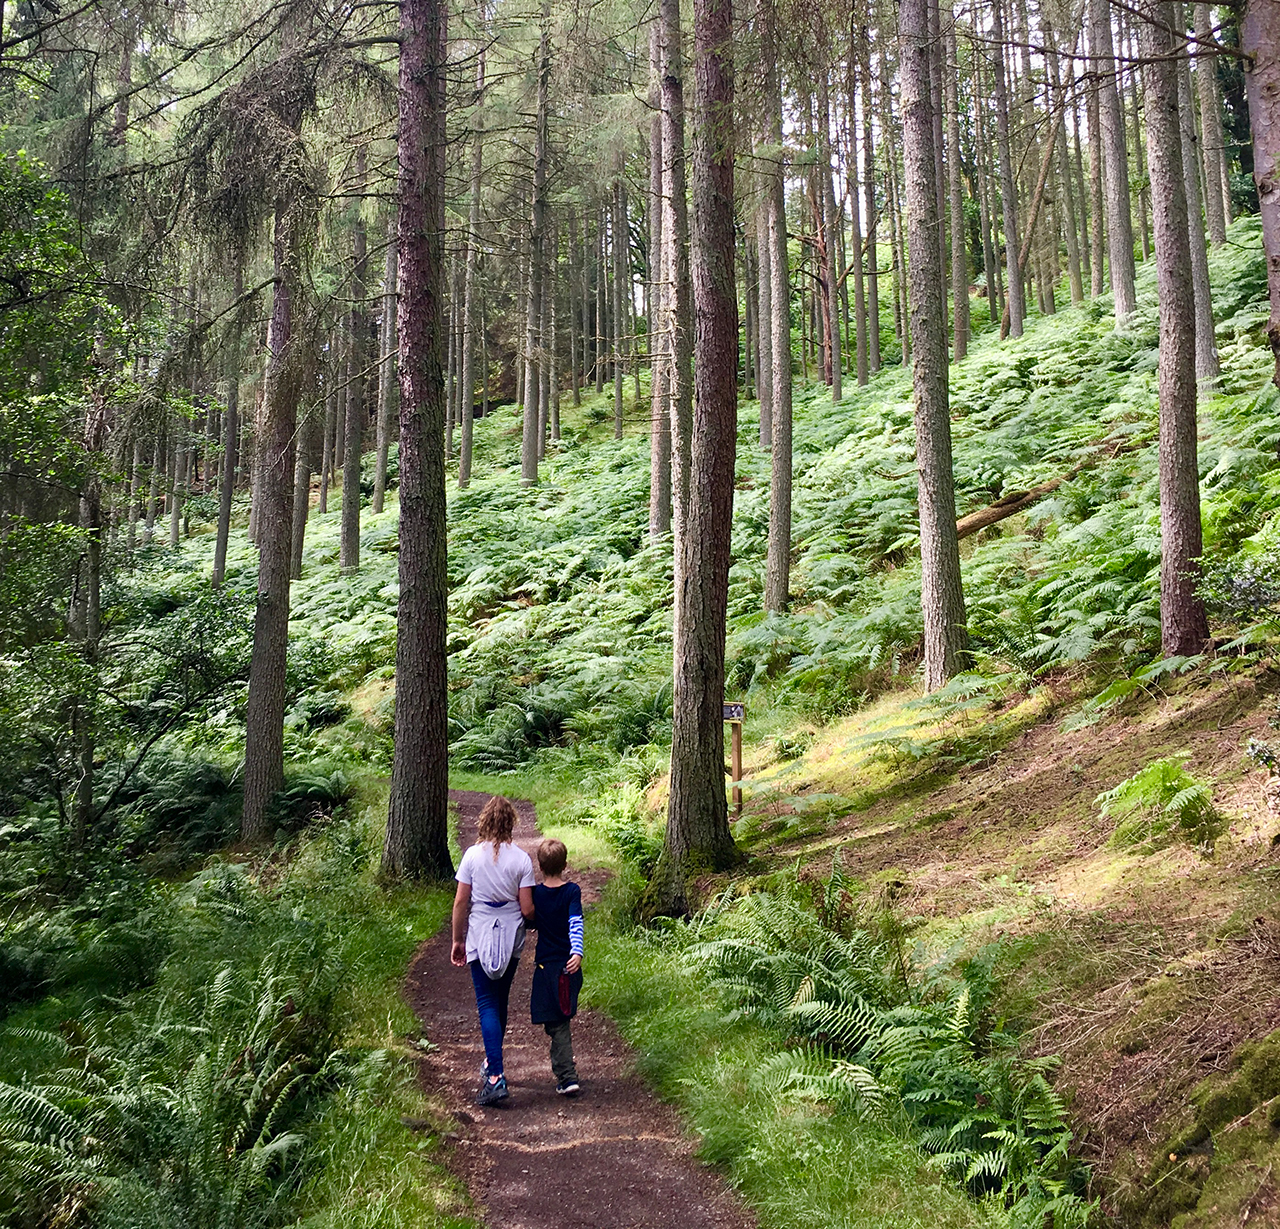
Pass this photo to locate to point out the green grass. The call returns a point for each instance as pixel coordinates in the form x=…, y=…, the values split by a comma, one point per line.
x=796, y=1164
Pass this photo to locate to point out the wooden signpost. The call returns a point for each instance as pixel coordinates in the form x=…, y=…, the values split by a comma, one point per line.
x=733, y=714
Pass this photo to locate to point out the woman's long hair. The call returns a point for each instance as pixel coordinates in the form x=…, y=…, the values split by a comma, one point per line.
x=497, y=821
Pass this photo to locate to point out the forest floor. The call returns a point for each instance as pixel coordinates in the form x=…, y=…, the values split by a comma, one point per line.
x=612, y=1157
x=1153, y=973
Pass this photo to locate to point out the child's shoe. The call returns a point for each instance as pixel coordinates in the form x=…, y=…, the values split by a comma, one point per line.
x=567, y=1088
x=492, y=1091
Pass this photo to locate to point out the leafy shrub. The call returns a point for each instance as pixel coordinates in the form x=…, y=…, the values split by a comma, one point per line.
x=1161, y=803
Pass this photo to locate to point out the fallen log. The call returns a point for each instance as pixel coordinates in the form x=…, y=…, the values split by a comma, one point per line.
x=1008, y=505
x=1016, y=501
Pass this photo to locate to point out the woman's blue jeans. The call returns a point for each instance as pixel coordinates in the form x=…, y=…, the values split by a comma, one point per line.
x=491, y=1000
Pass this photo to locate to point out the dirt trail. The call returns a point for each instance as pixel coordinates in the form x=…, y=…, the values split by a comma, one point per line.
x=614, y=1157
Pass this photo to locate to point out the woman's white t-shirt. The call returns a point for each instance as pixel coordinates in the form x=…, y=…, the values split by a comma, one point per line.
x=495, y=881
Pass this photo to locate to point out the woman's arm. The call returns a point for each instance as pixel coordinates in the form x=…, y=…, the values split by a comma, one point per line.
x=461, y=912
x=526, y=903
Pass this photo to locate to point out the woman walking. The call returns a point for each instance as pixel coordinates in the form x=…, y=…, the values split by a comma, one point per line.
x=494, y=898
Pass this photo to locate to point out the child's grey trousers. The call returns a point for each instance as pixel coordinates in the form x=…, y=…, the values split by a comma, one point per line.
x=561, y=1050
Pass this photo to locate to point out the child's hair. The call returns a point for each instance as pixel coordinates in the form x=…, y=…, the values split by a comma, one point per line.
x=496, y=822
x=552, y=856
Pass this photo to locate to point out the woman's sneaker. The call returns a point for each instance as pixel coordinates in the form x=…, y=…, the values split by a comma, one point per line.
x=567, y=1088
x=492, y=1091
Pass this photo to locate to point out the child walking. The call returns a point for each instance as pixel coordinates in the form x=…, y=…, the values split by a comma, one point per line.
x=557, y=970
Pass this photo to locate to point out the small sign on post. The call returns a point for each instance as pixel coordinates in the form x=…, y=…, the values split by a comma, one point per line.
x=734, y=714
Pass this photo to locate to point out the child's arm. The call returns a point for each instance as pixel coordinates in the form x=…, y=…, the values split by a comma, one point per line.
x=574, y=962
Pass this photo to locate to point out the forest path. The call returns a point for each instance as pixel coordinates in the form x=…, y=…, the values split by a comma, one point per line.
x=613, y=1157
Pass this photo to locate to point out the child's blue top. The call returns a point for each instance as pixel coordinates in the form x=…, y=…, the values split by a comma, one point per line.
x=559, y=922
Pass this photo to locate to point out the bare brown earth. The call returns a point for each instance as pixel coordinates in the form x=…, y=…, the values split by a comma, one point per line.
x=614, y=1157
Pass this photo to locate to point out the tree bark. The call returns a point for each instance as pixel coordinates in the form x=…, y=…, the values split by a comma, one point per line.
x=179, y=482
x=416, y=845
x=620, y=264
x=1184, y=628
x=532, y=383
x=1217, y=190
x=942, y=598
x=1260, y=38
x=698, y=836
x=764, y=300
x=230, y=438
x=349, y=540
x=659, y=411
x=467, y=404
x=1116, y=163
x=301, y=499
x=387, y=371
x=1206, y=343
x=1097, y=234
x=575, y=342
x=675, y=243
x=869, y=187
x=777, y=584
x=959, y=231
x=1015, y=302
x=264, y=712
x=830, y=224
x=1058, y=101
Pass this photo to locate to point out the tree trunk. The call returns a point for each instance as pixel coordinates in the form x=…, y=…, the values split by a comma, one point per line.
x=90, y=629
x=333, y=377
x=942, y=598
x=1139, y=154
x=659, y=411
x=855, y=208
x=264, y=713
x=301, y=499
x=869, y=187
x=387, y=373
x=349, y=543
x=1115, y=161
x=230, y=438
x=1217, y=191
x=417, y=845
x=469, y=312
x=959, y=231
x=1184, y=628
x=618, y=228
x=990, y=258
x=135, y=487
x=544, y=349
x=1015, y=303
x=1059, y=101
x=1206, y=344
x=698, y=836
x=532, y=384
x=153, y=493
x=1097, y=234
x=1260, y=38
x=179, y=482
x=764, y=299
x=777, y=584
x=675, y=242
x=830, y=223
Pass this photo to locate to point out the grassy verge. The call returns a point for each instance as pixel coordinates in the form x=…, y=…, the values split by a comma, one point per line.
x=797, y=1164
